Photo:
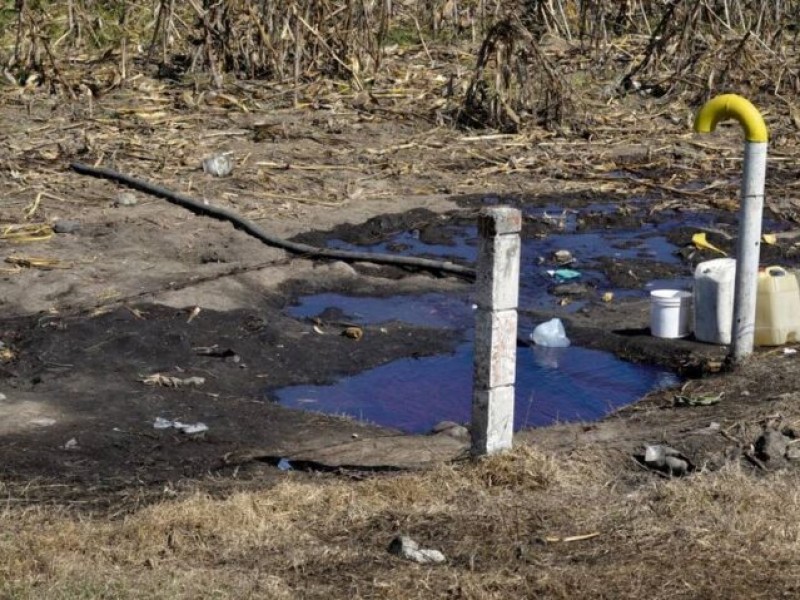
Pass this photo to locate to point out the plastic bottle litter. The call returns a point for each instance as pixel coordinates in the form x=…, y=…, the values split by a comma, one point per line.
x=550, y=334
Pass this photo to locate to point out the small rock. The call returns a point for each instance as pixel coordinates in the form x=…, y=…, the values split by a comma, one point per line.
x=3, y=397
x=43, y=422
x=676, y=466
x=459, y=432
x=793, y=453
x=342, y=269
x=444, y=425
x=571, y=289
x=125, y=198
x=71, y=444
x=404, y=547
x=771, y=445
x=563, y=257
x=66, y=226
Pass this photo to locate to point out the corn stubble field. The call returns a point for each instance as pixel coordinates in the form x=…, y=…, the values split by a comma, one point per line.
x=567, y=69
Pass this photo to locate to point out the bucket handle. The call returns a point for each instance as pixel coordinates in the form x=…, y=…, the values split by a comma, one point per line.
x=775, y=271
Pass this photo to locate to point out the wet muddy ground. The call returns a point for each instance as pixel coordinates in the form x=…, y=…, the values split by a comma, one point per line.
x=83, y=390
x=99, y=346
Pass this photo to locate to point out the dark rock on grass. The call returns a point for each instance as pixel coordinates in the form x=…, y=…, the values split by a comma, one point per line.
x=771, y=446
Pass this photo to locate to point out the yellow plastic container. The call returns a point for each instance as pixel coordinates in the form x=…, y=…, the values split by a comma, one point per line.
x=777, y=308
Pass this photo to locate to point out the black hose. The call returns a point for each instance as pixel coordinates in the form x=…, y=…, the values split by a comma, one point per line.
x=251, y=228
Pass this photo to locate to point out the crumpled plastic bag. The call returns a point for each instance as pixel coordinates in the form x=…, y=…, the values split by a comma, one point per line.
x=550, y=334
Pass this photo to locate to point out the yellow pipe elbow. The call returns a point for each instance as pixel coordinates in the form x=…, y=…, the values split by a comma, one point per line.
x=732, y=106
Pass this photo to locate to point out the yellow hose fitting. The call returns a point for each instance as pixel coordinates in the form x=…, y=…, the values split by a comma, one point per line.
x=732, y=106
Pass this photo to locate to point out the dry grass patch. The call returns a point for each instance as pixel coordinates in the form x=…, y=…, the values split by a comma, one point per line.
x=501, y=523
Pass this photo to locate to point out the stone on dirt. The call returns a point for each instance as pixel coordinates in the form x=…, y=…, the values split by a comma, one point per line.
x=452, y=429
x=771, y=445
x=404, y=547
x=66, y=226
x=125, y=198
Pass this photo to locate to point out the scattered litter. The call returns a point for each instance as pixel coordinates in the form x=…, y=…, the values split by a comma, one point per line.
x=43, y=422
x=189, y=428
x=71, y=444
x=26, y=233
x=563, y=274
x=218, y=165
x=285, y=465
x=125, y=198
x=666, y=459
x=608, y=296
x=7, y=354
x=404, y=547
x=770, y=238
x=550, y=334
x=3, y=397
x=194, y=312
x=168, y=381
x=354, y=333
x=701, y=243
x=790, y=350
x=318, y=330
x=66, y=226
x=706, y=400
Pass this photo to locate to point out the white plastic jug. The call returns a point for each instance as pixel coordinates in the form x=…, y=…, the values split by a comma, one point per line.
x=777, y=308
x=713, y=300
x=670, y=313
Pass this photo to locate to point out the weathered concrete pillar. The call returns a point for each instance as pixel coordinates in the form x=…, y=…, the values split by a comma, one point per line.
x=497, y=292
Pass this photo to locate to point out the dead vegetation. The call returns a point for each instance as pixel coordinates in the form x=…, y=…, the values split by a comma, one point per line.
x=522, y=525
x=504, y=70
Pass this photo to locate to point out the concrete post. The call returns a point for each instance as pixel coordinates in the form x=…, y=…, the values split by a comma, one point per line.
x=748, y=250
x=497, y=292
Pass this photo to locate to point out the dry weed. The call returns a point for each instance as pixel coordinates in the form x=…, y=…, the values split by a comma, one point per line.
x=506, y=524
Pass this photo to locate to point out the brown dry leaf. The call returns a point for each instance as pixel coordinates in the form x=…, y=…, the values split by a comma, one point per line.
x=354, y=333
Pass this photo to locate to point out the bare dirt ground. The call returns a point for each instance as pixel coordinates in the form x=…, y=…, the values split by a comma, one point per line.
x=89, y=315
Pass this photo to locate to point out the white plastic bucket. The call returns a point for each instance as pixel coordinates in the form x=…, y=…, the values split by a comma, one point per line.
x=670, y=312
x=713, y=300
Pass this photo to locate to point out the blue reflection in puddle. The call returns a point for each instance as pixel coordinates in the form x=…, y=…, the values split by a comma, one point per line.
x=553, y=385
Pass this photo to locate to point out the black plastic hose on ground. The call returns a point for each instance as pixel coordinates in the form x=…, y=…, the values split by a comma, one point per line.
x=239, y=222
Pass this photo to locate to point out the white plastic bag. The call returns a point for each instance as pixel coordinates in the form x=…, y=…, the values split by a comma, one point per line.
x=550, y=334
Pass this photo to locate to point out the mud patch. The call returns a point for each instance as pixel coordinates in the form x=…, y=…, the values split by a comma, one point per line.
x=89, y=375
